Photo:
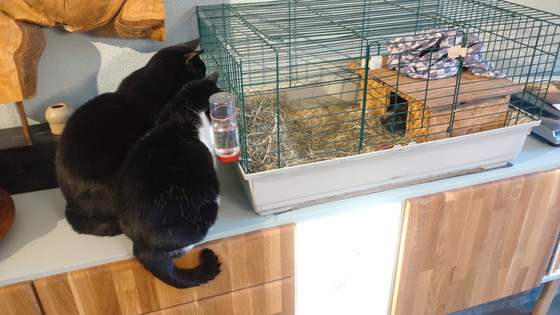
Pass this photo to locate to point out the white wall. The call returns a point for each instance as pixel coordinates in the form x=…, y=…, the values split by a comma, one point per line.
x=76, y=67
x=545, y=5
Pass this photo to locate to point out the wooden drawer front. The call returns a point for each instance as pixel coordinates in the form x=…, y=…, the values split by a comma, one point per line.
x=125, y=287
x=275, y=297
x=19, y=298
x=471, y=245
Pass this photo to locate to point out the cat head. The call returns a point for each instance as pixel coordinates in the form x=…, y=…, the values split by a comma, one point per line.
x=193, y=44
x=181, y=61
x=192, y=60
x=199, y=91
x=213, y=77
x=193, y=97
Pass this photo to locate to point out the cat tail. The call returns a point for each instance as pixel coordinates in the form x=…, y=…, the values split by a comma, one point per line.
x=161, y=265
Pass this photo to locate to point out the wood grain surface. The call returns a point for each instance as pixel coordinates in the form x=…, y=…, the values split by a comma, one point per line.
x=547, y=296
x=74, y=16
x=470, y=117
x=137, y=19
x=21, y=47
x=18, y=299
x=125, y=287
x=275, y=297
x=122, y=18
x=471, y=245
x=440, y=93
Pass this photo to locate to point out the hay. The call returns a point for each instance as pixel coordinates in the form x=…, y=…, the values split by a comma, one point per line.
x=309, y=130
x=313, y=130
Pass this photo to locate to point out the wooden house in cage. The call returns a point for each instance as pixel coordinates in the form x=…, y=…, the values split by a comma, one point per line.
x=337, y=100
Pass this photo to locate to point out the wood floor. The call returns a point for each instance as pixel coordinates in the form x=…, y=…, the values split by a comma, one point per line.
x=518, y=304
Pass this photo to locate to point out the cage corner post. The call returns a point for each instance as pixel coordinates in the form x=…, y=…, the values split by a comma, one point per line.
x=364, y=97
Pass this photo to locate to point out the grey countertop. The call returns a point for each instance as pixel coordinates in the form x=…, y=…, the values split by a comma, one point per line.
x=41, y=243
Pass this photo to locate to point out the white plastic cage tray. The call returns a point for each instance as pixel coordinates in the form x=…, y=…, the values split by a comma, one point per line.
x=299, y=186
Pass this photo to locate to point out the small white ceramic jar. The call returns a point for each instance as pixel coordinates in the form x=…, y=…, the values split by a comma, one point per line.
x=57, y=115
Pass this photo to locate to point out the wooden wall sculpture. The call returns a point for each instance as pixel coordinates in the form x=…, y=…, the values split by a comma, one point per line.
x=127, y=18
x=23, y=41
x=20, y=49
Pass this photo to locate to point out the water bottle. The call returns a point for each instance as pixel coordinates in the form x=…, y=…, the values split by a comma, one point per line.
x=224, y=125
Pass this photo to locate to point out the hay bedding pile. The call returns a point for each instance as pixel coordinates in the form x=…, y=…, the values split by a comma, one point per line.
x=309, y=131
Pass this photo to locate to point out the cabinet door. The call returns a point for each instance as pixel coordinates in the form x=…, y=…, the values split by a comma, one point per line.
x=125, y=287
x=19, y=298
x=468, y=246
x=276, y=297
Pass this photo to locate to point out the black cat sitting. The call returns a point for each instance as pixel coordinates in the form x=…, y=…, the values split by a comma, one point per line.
x=170, y=189
x=106, y=171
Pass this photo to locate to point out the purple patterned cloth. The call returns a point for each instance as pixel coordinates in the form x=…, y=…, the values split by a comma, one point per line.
x=426, y=54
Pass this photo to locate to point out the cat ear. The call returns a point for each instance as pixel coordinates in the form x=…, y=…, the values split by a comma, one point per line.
x=213, y=76
x=191, y=44
x=191, y=55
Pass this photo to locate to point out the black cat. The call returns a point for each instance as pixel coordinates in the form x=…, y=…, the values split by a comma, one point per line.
x=100, y=135
x=170, y=188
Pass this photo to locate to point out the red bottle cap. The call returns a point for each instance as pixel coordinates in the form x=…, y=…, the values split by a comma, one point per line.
x=232, y=158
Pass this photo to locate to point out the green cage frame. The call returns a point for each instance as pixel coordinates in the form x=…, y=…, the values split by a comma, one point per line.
x=293, y=55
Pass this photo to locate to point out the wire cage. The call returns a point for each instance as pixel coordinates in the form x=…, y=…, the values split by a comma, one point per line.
x=302, y=72
x=315, y=80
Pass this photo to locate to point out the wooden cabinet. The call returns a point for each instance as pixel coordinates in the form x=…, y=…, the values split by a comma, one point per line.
x=276, y=297
x=257, y=268
x=457, y=249
x=468, y=246
x=19, y=298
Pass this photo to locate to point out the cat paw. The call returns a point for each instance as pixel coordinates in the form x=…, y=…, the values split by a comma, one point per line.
x=186, y=278
x=210, y=265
